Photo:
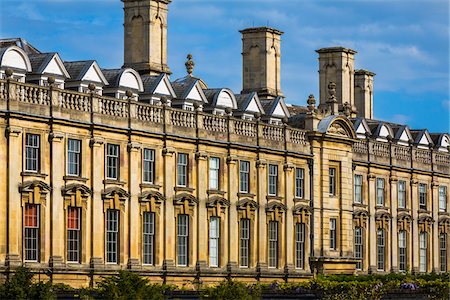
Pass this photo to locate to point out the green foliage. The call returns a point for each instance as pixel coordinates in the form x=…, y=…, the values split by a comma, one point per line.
x=128, y=285
x=230, y=290
x=20, y=286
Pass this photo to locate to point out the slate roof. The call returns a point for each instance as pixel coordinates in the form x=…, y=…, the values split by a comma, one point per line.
x=112, y=76
x=19, y=42
x=77, y=69
x=150, y=82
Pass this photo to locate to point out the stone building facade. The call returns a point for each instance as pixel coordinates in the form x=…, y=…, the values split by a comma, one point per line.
x=126, y=169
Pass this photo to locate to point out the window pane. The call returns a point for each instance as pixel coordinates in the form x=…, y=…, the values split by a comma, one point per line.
x=149, y=165
x=380, y=249
x=333, y=234
x=182, y=169
x=112, y=162
x=112, y=235
x=380, y=191
x=273, y=179
x=300, y=245
x=244, y=177
x=273, y=244
x=401, y=194
x=73, y=234
x=214, y=235
x=32, y=152
x=358, y=188
x=442, y=198
x=402, y=250
x=443, y=251
x=244, y=242
x=359, y=247
x=31, y=232
x=423, y=252
x=148, y=241
x=73, y=157
x=332, y=181
x=214, y=166
x=299, y=182
x=183, y=240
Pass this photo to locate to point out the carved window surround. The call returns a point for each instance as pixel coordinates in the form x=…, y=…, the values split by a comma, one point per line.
x=360, y=218
x=275, y=211
x=301, y=213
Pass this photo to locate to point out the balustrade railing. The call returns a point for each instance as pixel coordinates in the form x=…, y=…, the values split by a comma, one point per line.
x=423, y=156
x=2, y=90
x=30, y=93
x=182, y=118
x=271, y=132
x=360, y=147
x=245, y=128
x=442, y=159
x=297, y=136
x=402, y=153
x=380, y=149
x=113, y=107
x=149, y=113
x=214, y=123
x=74, y=100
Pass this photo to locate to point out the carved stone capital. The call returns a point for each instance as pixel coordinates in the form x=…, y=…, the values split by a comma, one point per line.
x=261, y=163
x=12, y=131
x=168, y=151
x=201, y=155
x=232, y=159
x=393, y=179
x=96, y=141
x=288, y=166
x=371, y=176
x=55, y=137
x=134, y=146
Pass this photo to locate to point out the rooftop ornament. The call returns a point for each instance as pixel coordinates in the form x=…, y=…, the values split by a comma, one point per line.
x=311, y=103
x=190, y=64
x=332, y=92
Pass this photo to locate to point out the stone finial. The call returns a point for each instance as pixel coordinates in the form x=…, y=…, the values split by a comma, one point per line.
x=332, y=92
x=164, y=100
x=285, y=120
x=257, y=115
x=196, y=105
x=129, y=93
x=51, y=80
x=9, y=73
x=347, y=109
x=91, y=87
x=311, y=102
x=228, y=111
x=190, y=64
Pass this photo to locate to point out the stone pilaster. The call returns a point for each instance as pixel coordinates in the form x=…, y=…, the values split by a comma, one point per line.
x=261, y=187
x=372, y=225
x=233, y=221
x=97, y=170
x=415, y=228
x=203, y=226
x=289, y=223
x=134, y=154
x=435, y=264
x=169, y=217
x=394, y=231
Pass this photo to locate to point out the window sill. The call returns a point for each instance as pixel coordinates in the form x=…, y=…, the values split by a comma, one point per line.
x=444, y=213
x=114, y=182
x=183, y=189
x=249, y=195
x=149, y=186
x=75, y=178
x=215, y=192
x=274, y=197
x=360, y=205
x=33, y=174
x=423, y=211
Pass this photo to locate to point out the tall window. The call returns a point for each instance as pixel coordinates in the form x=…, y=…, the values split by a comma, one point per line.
x=380, y=191
x=73, y=234
x=244, y=247
x=423, y=252
x=112, y=161
x=148, y=165
x=358, y=188
x=333, y=234
x=214, y=237
x=443, y=198
x=381, y=249
x=182, y=167
x=443, y=251
x=148, y=238
x=332, y=181
x=214, y=167
x=73, y=157
x=273, y=244
x=300, y=245
x=273, y=180
x=299, y=183
x=32, y=153
x=402, y=194
x=422, y=196
x=402, y=250
x=359, y=247
x=244, y=176
x=112, y=235
x=31, y=237
x=183, y=240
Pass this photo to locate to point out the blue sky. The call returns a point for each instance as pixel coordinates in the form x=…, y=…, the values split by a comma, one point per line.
x=405, y=42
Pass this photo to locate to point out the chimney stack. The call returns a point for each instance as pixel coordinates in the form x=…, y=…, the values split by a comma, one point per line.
x=364, y=93
x=145, y=36
x=337, y=65
x=261, y=55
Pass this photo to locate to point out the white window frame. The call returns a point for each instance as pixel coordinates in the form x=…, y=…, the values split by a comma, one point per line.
x=422, y=196
x=148, y=165
x=380, y=191
x=214, y=173
x=112, y=236
x=148, y=238
x=332, y=181
x=182, y=169
x=443, y=252
x=244, y=176
x=443, y=198
x=300, y=245
x=381, y=249
x=32, y=152
x=273, y=180
x=333, y=235
x=244, y=245
x=402, y=250
x=74, y=157
x=273, y=244
x=32, y=235
x=74, y=237
x=299, y=183
x=358, y=188
x=214, y=241
x=423, y=251
x=183, y=240
x=112, y=161
x=359, y=247
x=401, y=194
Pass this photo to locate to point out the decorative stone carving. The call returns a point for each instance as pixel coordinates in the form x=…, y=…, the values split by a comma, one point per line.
x=337, y=130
